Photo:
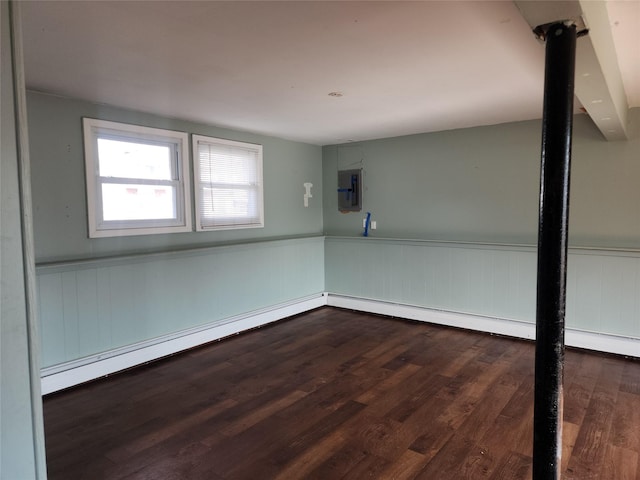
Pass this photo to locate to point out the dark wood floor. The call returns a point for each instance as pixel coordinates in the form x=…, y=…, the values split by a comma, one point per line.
x=335, y=394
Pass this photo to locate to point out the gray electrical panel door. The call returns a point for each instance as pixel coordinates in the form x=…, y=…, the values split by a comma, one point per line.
x=350, y=190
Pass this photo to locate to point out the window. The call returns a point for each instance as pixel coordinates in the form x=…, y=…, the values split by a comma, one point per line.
x=229, y=184
x=137, y=179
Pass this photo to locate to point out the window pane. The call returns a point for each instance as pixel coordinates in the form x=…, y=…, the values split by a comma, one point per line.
x=138, y=202
x=227, y=164
x=119, y=158
x=223, y=203
x=230, y=178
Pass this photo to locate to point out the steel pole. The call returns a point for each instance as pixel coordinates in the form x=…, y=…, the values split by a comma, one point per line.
x=552, y=249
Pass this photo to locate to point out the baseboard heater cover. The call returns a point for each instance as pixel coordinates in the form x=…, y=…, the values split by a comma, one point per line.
x=75, y=372
x=602, y=342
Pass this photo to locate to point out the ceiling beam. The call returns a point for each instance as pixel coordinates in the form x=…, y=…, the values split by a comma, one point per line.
x=598, y=83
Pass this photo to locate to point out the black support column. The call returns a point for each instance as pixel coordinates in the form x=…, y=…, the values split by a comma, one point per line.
x=552, y=248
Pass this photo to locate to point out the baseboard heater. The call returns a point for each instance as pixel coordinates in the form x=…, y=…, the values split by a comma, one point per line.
x=75, y=372
x=68, y=374
x=602, y=342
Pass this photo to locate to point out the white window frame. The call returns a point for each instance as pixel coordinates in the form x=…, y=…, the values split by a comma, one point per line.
x=196, y=140
x=179, y=141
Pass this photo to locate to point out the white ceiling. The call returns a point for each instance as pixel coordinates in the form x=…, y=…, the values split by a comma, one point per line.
x=268, y=67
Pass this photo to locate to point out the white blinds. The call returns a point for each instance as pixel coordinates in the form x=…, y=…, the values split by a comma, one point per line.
x=229, y=183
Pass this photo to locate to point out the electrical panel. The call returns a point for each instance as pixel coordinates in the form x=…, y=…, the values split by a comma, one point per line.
x=350, y=190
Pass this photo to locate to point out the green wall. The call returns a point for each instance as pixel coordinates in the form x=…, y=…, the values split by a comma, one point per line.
x=96, y=295
x=59, y=199
x=21, y=434
x=457, y=216
x=481, y=185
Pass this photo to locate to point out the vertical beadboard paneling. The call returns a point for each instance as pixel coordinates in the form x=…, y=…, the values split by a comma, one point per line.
x=501, y=280
x=440, y=277
x=586, y=312
x=87, y=298
x=51, y=318
x=103, y=309
x=525, y=280
x=619, y=293
x=95, y=306
x=125, y=290
x=489, y=280
x=462, y=278
x=603, y=291
x=70, y=312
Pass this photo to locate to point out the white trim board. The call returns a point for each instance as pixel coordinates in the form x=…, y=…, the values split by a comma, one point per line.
x=75, y=372
x=574, y=338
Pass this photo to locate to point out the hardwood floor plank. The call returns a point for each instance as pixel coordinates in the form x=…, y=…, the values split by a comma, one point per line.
x=393, y=400
x=463, y=405
x=168, y=430
x=625, y=428
x=630, y=379
x=388, y=384
x=181, y=465
x=452, y=460
x=60, y=467
x=514, y=425
x=569, y=435
x=588, y=455
x=371, y=466
x=405, y=468
x=425, y=392
x=338, y=464
x=337, y=394
x=260, y=413
x=313, y=434
x=300, y=465
x=431, y=442
x=380, y=436
x=288, y=441
x=579, y=385
x=622, y=464
x=514, y=466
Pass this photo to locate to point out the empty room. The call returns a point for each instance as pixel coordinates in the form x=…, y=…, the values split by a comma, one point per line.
x=320, y=240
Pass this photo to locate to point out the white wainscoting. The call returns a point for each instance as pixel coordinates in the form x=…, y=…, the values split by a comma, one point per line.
x=78, y=371
x=102, y=316
x=122, y=310
x=488, y=287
